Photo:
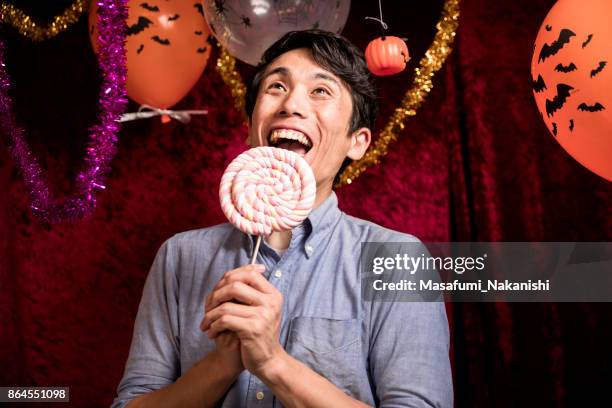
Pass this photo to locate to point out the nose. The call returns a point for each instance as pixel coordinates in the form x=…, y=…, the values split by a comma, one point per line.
x=295, y=103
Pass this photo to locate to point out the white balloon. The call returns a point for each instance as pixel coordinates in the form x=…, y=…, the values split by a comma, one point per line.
x=246, y=28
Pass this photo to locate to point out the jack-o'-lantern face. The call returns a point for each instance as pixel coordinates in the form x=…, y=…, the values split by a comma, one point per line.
x=572, y=80
x=167, y=48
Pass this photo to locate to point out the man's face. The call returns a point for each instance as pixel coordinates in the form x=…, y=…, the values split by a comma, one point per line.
x=304, y=108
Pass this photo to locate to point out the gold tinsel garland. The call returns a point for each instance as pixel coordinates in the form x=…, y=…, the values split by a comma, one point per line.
x=15, y=17
x=433, y=60
x=226, y=67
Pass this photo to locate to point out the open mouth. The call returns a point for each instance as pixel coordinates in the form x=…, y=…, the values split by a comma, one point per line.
x=290, y=139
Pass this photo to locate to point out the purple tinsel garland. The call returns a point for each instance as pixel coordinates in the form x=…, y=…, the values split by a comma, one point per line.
x=112, y=15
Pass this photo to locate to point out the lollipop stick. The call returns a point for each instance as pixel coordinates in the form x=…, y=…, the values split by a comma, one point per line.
x=256, y=249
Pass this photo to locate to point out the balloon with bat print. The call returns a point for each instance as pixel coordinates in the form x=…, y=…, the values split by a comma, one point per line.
x=572, y=80
x=167, y=49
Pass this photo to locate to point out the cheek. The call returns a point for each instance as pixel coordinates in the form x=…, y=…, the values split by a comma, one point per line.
x=336, y=121
x=265, y=105
x=259, y=111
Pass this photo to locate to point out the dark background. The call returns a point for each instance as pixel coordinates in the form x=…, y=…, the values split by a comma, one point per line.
x=476, y=163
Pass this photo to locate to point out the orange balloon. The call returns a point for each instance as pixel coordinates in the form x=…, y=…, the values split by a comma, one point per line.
x=572, y=80
x=167, y=49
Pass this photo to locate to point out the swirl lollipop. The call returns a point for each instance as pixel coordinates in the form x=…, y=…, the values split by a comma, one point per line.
x=267, y=189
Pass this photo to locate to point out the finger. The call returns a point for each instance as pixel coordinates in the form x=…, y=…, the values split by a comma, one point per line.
x=249, y=267
x=227, y=308
x=227, y=336
x=233, y=323
x=251, y=277
x=222, y=282
x=237, y=292
x=231, y=276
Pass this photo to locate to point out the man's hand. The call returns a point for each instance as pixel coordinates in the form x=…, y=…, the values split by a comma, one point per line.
x=227, y=342
x=228, y=346
x=245, y=303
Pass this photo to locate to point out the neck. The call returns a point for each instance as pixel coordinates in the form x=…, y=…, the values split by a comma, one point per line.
x=281, y=239
x=322, y=193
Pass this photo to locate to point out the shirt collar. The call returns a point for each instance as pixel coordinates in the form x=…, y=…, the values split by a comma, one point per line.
x=317, y=225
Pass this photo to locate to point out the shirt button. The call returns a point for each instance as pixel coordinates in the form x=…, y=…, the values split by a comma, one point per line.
x=278, y=273
x=260, y=395
x=308, y=249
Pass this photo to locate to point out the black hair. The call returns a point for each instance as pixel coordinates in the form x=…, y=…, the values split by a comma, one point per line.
x=335, y=54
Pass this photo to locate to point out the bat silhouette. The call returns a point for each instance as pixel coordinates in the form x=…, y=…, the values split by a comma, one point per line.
x=548, y=28
x=599, y=68
x=565, y=68
x=174, y=17
x=197, y=32
x=550, y=50
x=554, y=128
x=142, y=24
x=146, y=6
x=202, y=50
x=571, y=126
x=591, y=108
x=587, y=41
x=563, y=92
x=199, y=7
x=139, y=50
x=539, y=85
x=162, y=41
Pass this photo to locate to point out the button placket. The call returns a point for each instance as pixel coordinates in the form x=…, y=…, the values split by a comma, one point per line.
x=259, y=394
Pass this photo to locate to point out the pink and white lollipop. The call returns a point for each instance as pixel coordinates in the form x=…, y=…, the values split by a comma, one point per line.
x=267, y=189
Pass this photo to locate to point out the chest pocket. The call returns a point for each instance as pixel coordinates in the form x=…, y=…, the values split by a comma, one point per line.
x=330, y=347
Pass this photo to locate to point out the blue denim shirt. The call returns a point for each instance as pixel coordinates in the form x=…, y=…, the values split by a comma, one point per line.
x=386, y=354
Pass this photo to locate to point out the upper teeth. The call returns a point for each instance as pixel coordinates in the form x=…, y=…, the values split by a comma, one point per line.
x=278, y=134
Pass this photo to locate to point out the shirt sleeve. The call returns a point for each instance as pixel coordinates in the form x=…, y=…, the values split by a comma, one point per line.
x=153, y=361
x=409, y=353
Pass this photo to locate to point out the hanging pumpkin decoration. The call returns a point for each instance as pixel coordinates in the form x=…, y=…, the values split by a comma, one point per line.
x=387, y=55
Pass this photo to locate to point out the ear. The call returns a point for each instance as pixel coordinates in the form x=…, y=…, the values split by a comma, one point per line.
x=360, y=140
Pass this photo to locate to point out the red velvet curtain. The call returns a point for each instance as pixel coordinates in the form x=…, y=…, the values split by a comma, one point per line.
x=476, y=163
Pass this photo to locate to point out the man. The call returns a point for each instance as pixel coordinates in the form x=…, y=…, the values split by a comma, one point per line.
x=293, y=330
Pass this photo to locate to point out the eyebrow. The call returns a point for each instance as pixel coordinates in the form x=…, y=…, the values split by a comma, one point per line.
x=326, y=77
x=285, y=72
x=278, y=70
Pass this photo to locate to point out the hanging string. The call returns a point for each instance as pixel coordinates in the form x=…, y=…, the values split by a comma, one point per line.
x=380, y=20
x=146, y=111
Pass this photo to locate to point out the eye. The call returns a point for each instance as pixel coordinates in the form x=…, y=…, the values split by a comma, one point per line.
x=276, y=85
x=321, y=91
